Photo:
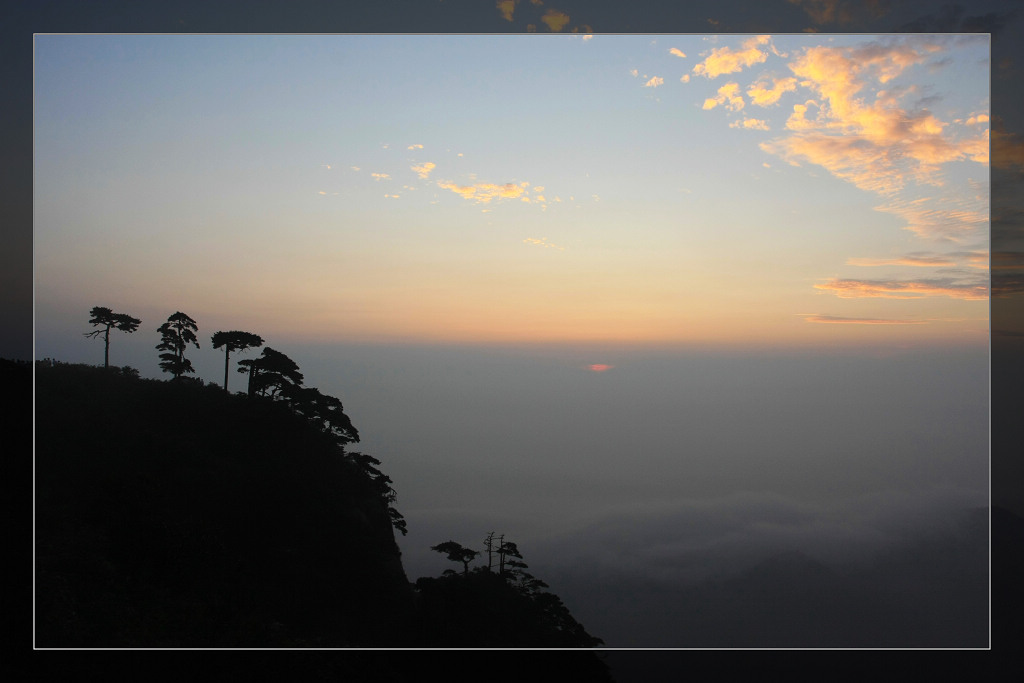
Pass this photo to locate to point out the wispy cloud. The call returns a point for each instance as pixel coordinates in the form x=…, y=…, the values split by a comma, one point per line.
x=725, y=60
x=484, y=192
x=909, y=260
x=381, y=176
x=542, y=242
x=424, y=169
x=654, y=82
x=751, y=124
x=952, y=218
x=416, y=146
x=677, y=52
x=729, y=95
x=835, y=319
x=906, y=289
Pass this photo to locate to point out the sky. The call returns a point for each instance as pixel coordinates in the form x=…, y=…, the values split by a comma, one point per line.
x=733, y=190
x=574, y=288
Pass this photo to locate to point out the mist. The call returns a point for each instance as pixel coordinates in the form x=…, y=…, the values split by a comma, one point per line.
x=669, y=468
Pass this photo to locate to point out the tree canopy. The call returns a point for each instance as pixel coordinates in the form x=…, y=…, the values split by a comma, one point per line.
x=456, y=552
x=273, y=374
x=234, y=341
x=176, y=334
x=102, y=316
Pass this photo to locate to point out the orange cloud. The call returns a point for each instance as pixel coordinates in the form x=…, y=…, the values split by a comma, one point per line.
x=867, y=166
x=423, y=170
x=905, y=289
x=763, y=94
x=484, y=192
x=750, y=124
x=833, y=320
x=916, y=261
x=949, y=218
x=978, y=259
x=654, y=82
x=728, y=95
x=725, y=60
x=600, y=367
x=677, y=52
x=380, y=176
x=876, y=145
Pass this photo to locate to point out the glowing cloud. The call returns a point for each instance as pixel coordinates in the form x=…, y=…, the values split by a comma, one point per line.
x=677, y=52
x=600, y=367
x=484, y=192
x=915, y=261
x=877, y=145
x=685, y=78
x=728, y=95
x=654, y=82
x=905, y=289
x=381, y=176
x=415, y=147
x=423, y=170
x=764, y=93
x=724, y=60
x=752, y=124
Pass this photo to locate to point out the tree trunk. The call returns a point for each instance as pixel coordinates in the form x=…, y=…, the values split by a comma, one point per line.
x=225, y=367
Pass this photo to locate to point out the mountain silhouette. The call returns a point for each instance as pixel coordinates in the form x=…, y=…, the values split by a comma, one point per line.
x=175, y=515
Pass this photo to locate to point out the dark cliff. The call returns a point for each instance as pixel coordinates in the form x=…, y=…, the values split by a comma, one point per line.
x=169, y=514
x=174, y=515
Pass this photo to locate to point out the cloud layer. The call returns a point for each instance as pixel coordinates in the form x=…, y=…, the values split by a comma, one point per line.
x=874, y=142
